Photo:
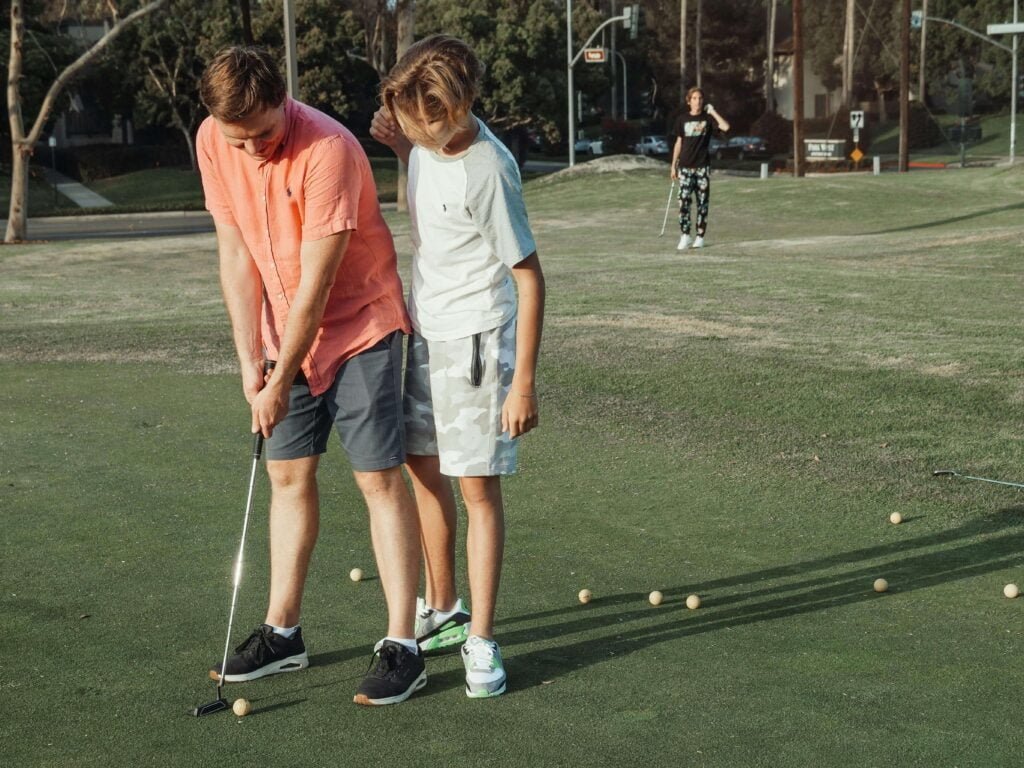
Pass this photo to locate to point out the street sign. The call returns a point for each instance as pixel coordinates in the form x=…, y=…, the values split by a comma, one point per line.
x=856, y=118
x=1005, y=29
x=856, y=155
x=593, y=55
x=916, y=19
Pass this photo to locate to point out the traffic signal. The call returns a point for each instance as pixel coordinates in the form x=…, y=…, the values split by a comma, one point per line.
x=631, y=20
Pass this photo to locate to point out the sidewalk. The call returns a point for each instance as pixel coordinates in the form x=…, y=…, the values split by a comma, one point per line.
x=77, y=193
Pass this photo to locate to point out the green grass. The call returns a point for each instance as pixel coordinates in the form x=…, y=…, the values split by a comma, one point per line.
x=153, y=189
x=737, y=422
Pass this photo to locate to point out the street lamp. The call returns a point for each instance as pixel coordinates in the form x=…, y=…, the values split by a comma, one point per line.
x=629, y=18
x=992, y=29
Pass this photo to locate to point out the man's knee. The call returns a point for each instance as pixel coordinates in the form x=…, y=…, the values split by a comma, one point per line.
x=384, y=483
x=293, y=474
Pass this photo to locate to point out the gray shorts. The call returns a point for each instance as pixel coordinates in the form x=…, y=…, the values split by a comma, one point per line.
x=364, y=404
x=454, y=392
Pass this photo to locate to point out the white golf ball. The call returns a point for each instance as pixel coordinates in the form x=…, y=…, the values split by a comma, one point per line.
x=356, y=574
x=655, y=597
x=881, y=585
x=693, y=602
x=1011, y=591
x=241, y=707
x=585, y=595
x=895, y=518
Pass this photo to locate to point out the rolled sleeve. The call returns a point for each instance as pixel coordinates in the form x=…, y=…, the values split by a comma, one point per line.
x=332, y=190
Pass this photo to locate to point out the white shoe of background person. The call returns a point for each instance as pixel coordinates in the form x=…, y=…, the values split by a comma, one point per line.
x=684, y=243
x=699, y=242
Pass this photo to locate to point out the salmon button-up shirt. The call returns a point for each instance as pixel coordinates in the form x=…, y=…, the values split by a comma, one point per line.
x=317, y=183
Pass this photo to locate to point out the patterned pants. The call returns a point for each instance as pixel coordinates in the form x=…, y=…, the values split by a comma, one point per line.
x=696, y=182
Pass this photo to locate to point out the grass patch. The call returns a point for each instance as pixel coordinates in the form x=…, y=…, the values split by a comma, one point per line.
x=737, y=422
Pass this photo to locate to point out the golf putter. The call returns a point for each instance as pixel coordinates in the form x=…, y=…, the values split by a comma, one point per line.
x=954, y=473
x=220, y=703
x=668, y=205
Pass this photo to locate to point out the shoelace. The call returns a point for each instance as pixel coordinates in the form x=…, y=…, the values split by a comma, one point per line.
x=257, y=645
x=386, y=657
x=481, y=654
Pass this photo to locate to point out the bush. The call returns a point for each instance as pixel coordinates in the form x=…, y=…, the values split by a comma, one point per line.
x=776, y=130
x=101, y=161
x=620, y=136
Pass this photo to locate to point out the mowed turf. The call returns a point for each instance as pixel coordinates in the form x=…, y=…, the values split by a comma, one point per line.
x=737, y=422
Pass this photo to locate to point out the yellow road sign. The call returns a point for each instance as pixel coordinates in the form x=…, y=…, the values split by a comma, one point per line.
x=856, y=155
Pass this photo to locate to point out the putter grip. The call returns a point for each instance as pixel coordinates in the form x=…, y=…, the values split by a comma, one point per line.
x=257, y=439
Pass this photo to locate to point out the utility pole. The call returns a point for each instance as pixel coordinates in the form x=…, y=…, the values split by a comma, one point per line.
x=291, y=66
x=798, y=88
x=682, y=52
x=615, y=70
x=921, y=79
x=568, y=61
x=769, y=65
x=848, y=38
x=904, y=164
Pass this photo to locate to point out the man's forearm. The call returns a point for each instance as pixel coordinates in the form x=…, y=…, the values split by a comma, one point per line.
x=242, y=287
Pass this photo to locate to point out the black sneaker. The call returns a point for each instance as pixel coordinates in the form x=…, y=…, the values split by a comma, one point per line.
x=264, y=653
x=398, y=674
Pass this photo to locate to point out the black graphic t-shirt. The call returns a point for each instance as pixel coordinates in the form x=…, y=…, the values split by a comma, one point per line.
x=696, y=131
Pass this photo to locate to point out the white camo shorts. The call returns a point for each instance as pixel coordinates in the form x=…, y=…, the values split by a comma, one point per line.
x=454, y=392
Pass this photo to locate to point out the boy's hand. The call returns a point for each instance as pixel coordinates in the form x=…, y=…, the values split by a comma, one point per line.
x=385, y=129
x=519, y=413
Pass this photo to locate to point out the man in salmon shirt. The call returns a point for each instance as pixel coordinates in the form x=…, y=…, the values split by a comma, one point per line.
x=309, y=276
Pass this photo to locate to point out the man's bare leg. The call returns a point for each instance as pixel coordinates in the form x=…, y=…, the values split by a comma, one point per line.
x=395, y=532
x=294, y=525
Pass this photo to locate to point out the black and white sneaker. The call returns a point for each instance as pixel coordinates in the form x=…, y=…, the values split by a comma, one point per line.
x=437, y=631
x=397, y=675
x=264, y=653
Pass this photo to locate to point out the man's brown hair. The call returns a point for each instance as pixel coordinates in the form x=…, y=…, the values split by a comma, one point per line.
x=241, y=81
x=437, y=78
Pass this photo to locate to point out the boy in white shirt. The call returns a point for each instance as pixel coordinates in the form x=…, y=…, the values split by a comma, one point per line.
x=472, y=359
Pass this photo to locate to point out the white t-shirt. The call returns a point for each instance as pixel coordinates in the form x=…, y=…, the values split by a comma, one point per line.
x=469, y=228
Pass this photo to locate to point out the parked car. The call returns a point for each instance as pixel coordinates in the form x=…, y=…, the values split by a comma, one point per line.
x=715, y=146
x=590, y=147
x=742, y=147
x=651, y=145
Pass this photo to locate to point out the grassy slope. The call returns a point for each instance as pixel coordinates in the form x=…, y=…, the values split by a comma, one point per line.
x=737, y=422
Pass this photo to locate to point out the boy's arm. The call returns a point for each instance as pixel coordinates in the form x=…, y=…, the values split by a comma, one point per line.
x=519, y=414
x=385, y=129
x=723, y=126
x=676, y=149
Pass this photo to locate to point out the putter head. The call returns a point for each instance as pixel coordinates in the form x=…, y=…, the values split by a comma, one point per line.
x=214, y=706
x=943, y=472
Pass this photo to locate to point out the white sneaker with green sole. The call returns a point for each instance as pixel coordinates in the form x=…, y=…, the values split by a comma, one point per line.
x=437, y=630
x=485, y=671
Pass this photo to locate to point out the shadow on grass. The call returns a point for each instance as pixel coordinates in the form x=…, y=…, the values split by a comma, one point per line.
x=954, y=220
x=844, y=579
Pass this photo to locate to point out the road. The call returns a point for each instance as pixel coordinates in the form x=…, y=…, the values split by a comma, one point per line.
x=160, y=224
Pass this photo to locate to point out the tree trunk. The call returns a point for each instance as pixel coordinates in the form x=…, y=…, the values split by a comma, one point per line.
x=17, y=216
x=21, y=144
x=769, y=69
x=406, y=18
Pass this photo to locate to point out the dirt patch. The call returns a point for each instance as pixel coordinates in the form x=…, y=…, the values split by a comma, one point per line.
x=610, y=164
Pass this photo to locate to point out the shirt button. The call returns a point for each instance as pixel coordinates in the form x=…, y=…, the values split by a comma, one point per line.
x=280, y=295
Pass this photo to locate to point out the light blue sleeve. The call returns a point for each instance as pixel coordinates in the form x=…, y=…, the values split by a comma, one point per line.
x=494, y=198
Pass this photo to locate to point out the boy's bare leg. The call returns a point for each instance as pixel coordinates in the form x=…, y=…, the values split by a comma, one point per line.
x=485, y=547
x=395, y=532
x=438, y=515
x=294, y=525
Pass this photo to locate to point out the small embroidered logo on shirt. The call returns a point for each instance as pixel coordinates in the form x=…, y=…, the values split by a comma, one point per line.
x=444, y=207
x=288, y=191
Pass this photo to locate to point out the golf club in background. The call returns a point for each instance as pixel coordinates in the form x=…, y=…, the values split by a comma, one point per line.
x=954, y=473
x=220, y=703
x=664, y=223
